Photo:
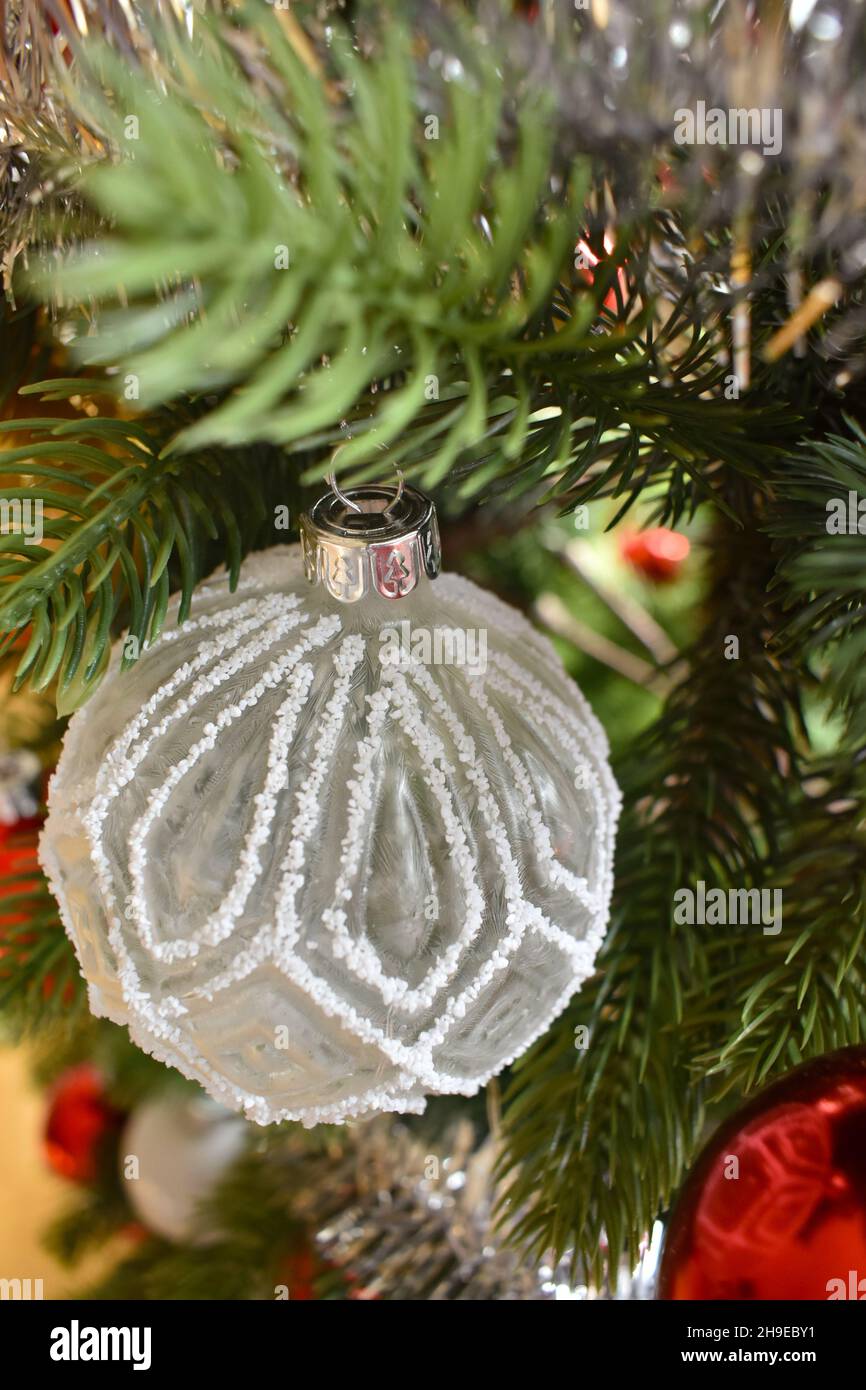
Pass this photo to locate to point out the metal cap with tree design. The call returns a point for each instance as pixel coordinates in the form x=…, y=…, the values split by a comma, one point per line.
x=370, y=539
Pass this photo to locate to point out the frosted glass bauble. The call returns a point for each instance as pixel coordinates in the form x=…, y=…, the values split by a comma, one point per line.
x=320, y=859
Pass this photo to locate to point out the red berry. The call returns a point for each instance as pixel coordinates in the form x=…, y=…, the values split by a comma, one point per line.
x=657, y=554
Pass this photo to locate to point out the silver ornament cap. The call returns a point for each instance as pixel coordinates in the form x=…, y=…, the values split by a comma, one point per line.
x=370, y=539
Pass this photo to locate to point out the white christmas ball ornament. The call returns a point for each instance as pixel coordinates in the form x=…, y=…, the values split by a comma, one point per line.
x=328, y=856
x=174, y=1154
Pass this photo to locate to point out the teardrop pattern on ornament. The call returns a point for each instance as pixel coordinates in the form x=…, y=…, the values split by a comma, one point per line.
x=321, y=884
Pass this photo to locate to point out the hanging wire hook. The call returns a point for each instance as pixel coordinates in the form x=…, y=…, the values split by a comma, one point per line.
x=401, y=483
x=331, y=480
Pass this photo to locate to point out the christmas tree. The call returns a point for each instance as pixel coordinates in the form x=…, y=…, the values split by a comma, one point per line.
x=592, y=278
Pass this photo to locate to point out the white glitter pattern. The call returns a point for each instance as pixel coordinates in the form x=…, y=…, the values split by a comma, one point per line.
x=321, y=885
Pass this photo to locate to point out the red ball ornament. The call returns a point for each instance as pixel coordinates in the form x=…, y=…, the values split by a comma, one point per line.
x=15, y=860
x=79, y=1121
x=18, y=856
x=657, y=553
x=775, y=1206
x=585, y=263
x=299, y=1272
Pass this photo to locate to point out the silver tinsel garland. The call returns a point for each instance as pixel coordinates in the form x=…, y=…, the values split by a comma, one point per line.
x=422, y=1225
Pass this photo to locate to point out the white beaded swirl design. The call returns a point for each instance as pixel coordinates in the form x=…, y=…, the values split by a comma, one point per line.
x=286, y=996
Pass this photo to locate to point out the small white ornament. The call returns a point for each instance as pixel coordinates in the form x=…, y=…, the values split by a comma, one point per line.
x=173, y=1154
x=324, y=857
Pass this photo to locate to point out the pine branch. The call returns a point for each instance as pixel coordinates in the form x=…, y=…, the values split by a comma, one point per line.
x=725, y=791
x=287, y=1171
x=371, y=262
x=121, y=521
x=100, y=1213
x=425, y=305
x=598, y=1138
x=821, y=535
x=804, y=992
x=41, y=143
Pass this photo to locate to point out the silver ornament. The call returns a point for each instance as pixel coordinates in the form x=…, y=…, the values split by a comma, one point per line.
x=326, y=858
x=427, y=1225
x=173, y=1154
x=20, y=773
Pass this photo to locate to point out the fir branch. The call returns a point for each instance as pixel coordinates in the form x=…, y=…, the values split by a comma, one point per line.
x=438, y=261
x=425, y=305
x=121, y=522
x=679, y=1018
x=804, y=992
x=286, y=1173
x=42, y=146
x=99, y=1214
x=598, y=1138
x=820, y=532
